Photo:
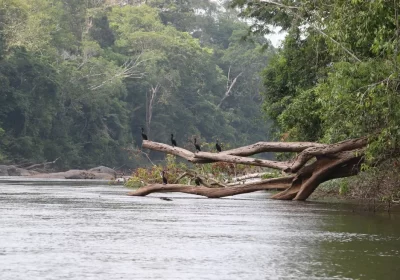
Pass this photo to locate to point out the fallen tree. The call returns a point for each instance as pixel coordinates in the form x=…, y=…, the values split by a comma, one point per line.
x=275, y=183
x=314, y=164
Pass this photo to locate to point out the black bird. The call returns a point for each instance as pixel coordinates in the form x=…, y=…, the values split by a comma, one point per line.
x=197, y=145
x=164, y=180
x=173, y=142
x=144, y=136
x=217, y=145
x=166, y=198
x=197, y=181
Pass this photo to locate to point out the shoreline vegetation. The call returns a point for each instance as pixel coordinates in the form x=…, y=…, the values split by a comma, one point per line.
x=377, y=189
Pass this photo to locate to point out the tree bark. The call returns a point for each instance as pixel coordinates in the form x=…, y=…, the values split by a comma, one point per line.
x=311, y=176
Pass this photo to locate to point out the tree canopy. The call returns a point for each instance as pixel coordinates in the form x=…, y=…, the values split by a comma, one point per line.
x=337, y=73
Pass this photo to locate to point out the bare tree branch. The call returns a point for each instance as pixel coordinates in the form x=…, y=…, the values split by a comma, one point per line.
x=229, y=87
x=279, y=4
x=150, y=99
x=128, y=70
x=243, y=160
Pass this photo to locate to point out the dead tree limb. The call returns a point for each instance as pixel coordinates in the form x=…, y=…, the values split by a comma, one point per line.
x=249, y=176
x=41, y=165
x=264, y=147
x=309, y=153
x=190, y=174
x=205, y=179
x=242, y=160
x=259, y=147
x=278, y=183
x=150, y=100
x=229, y=87
x=180, y=177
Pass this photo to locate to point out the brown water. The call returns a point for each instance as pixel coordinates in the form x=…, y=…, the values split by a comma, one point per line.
x=65, y=230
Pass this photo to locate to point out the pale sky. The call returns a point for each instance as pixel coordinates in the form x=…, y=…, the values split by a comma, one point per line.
x=277, y=37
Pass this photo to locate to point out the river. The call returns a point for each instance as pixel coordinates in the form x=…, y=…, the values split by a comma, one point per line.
x=71, y=230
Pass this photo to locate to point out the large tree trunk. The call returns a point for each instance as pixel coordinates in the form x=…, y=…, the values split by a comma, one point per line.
x=310, y=176
x=315, y=164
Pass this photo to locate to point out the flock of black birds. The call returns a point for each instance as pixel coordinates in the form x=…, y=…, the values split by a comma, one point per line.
x=174, y=144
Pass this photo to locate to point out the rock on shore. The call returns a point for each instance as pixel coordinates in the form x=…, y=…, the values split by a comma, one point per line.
x=99, y=173
x=11, y=170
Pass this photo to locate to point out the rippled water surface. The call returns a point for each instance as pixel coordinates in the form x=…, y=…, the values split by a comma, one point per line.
x=71, y=231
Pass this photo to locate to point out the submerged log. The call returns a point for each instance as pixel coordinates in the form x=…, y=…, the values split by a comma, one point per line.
x=327, y=162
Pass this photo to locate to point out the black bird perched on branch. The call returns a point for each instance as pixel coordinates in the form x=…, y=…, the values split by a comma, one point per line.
x=218, y=146
x=144, y=136
x=197, y=181
x=197, y=145
x=173, y=142
x=164, y=179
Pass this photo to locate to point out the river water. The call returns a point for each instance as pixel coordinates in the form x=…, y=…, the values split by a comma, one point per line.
x=59, y=230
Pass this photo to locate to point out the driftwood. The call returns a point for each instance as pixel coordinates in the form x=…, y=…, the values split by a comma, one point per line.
x=30, y=166
x=194, y=175
x=250, y=176
x=314, y=164
x=204, y=179
x=276, y=183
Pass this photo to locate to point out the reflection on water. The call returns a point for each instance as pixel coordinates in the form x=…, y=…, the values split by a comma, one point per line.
x=96, y=232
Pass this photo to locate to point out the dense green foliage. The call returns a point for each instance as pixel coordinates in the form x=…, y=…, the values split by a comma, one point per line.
x=79, y=78
x=337, y=73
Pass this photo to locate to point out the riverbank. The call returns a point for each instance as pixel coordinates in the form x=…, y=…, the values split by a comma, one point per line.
x=376, y=189
x=356, y=204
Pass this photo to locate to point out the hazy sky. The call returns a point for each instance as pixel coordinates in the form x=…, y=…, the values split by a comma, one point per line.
x=277, y=37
